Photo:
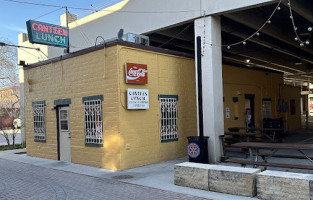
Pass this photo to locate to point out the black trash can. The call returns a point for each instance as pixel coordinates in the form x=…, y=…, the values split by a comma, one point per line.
x=195, y=152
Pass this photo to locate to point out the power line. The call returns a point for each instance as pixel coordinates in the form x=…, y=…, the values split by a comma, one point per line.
x=49, y=13
x=173, y=37
x=37, y=4
x=82, y=33
x=97, y=6
x=30, y=53
x=121, y=11
x=25, y=47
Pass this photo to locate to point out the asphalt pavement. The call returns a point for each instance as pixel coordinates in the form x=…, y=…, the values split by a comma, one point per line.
x=26, y=177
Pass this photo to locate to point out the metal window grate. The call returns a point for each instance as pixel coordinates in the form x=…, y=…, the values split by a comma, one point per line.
x=39, y=122
x=169, y=129
x=93, y=122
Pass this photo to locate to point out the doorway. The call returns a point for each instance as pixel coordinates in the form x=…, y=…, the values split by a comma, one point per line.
x=249, y=104
x=64, y=134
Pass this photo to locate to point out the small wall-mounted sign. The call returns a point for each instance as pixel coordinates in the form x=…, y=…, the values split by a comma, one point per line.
x=137, y=99
x=136, y=73
x=48, y=34
x=227, y=110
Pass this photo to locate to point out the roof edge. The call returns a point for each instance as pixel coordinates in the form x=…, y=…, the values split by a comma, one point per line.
x=106, y=45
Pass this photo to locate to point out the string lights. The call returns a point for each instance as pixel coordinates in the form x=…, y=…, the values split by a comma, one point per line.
x=301, y=42
x=297, y=38
x=257, y=33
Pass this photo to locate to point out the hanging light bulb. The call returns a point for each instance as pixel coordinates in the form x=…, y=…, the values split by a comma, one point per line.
x=269, y=21
x=290, y=17
x=278, y=8
x=296, y=39
x=228, y=47
x=301, y=44
x=295, y=28
x=244, y=43
x=307, y=42
x=310, y=29
x=258, y=34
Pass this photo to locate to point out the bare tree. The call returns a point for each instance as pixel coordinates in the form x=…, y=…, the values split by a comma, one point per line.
x=8, y=65
x=9, y=119
x=9, y=94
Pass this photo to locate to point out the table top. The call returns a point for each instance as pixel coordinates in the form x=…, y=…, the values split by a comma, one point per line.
x=271, y=129
x=237, y=127
x=257, y=129
x=240, y=133
x=261, y=145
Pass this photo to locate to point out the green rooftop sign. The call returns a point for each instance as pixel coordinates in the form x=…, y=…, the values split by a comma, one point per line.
x=48, y=34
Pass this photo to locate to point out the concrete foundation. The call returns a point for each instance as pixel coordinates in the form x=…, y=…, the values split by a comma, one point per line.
x=284, y=186
x=217, y=178
x=192, y=175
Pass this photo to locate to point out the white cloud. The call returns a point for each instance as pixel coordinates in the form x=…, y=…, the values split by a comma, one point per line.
x=13, y=28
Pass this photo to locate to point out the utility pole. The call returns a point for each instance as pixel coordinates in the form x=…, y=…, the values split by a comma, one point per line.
x=68, y=41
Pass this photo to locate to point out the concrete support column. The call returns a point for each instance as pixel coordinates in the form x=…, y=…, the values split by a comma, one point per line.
x=209, y=28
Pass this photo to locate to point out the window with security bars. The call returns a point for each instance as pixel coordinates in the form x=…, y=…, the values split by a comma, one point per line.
x=168, y=108
x=39, y=122
x=93, y=122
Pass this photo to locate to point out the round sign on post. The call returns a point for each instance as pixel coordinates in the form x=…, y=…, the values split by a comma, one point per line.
x=193, y=150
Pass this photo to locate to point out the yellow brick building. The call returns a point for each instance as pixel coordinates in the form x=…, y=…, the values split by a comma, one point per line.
x=130, y=137
x=64, y=96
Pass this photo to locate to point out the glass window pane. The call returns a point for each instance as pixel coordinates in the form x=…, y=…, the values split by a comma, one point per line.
x=64, y=125
x=63, y=114
x=267, y=109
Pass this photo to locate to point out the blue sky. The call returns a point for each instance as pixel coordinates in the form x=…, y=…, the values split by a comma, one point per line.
x=13, y=16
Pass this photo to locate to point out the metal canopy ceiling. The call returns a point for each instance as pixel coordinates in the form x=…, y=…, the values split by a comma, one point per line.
x=274, y=49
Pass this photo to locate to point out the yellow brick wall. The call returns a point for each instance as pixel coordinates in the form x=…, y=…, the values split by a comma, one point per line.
x=74, y=78
x=288, y=93
x=240, y=81
x=140, y=129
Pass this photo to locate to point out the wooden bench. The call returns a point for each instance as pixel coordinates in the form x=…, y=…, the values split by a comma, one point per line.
x=281, y=155
x=238, y=137
x=268, y=164
x=254, y=148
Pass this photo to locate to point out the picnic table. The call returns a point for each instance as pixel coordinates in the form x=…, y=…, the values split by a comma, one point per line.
x=269, y=133
x=254, y=148
x=245, y=135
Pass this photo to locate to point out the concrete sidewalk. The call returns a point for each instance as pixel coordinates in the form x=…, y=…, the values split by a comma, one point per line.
x=159, y=176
